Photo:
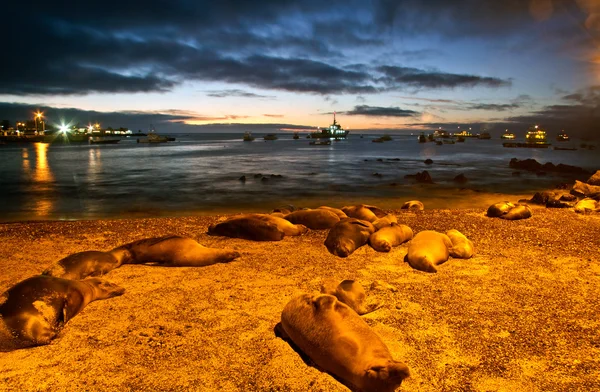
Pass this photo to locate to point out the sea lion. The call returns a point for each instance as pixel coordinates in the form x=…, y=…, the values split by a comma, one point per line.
x=348, y=235
x=413, y=205
x=341, y=343
x=285, y=209
x=248, y=229
x=360, y=212
x=282, y=224
x=36, y=309
x=82, y=264
x=498, y=209
x=341, y=214
x=385, y=221
x=428, y=249
x=585, y=206
x=520, y=211
x=385, y=239
x=350, y=292
x=174, y=251
x=315, y=219
x=462, y=247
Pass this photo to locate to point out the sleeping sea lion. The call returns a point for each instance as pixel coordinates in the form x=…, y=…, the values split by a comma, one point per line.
x=248, y=229
x=520, y=211
x=413, y=205
x=89, y=263
x=174, y=251
x=462, y=247
x=360, y=212
x=385, y=239
x=385, y=221
x=428, y=249
x=348, y=235
x=498, y=209
x=315, y=219
x=282, y=224
x=36, y=309
x=350, y=292
x=341, y=343
x=341, y=214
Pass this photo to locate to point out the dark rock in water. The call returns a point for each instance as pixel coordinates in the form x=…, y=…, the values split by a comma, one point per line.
x=540, y=173
x=516, y=174
x=594, y=179
x=379, y=160
x=461, y=178
x=312, y=174
x=366, y=160
x=561, y=168
x=428, y=161
x=553, y=203
x=567, y=197
x=549, y=166
x=526, y=164
x=424, y=177
x=242, y=178
x=378, y=175
x=394, y=184
x=258, y=175
x=264, y=179
x=393, y=159
x=276, y=176
x=564, y=185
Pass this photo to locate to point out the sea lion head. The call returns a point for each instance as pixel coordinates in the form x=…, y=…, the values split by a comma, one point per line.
x=103, y=289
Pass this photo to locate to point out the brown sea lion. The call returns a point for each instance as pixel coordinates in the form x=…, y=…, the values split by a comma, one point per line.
x=314, y=219
x=35, y=310
x=428, y=249
x=341, y=214
x=385, y=239
x=89, y=263
x=350, y=292
x=348, y=235
x=360, y=212
x=585, y=206
x=282, y=224
x=521, y=211
x=498, y=209
x=385, y=221
x=462, y=247
x=413, y=205
x=341, y=343
x=248, y=229
x=174, y=251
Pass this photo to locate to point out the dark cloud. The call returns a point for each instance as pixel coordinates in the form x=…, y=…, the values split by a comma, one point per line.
x=433, y=79
x=493, y=106
x=375, y=111
x=235, y=93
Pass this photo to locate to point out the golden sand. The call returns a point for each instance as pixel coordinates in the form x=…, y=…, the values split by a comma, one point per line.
x=522, y=315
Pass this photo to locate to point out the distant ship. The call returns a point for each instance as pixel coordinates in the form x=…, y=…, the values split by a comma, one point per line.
x=562, y=137
x=248, y=136
x=270, y=136
x=484, y=136
x=535, y=135
x=296, y=136
x=464, y=133
x=334, y=131
x=507, y=135
x=439, y=133
x=422, y=138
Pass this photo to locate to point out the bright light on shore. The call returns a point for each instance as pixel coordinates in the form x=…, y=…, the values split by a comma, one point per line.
x=63, y=129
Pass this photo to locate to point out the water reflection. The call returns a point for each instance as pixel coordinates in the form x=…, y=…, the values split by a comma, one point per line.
x=42, y=170
x=25, y=157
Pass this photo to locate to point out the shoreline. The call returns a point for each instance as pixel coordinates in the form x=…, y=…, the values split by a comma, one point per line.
x=520, y=315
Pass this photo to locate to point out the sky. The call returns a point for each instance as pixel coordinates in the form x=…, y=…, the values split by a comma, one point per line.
x=234, y=65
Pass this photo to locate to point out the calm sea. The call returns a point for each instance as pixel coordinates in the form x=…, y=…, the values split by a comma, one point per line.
x=199, y=174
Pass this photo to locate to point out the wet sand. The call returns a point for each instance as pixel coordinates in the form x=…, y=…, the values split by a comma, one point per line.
x=522, y=315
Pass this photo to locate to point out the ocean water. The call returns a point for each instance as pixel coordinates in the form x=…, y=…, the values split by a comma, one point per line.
x=199, y=174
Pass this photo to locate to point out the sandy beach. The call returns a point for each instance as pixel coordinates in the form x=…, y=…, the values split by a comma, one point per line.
x=522, y=315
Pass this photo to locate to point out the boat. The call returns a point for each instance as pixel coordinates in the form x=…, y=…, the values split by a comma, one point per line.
x=334, y=131
x=507, y=135
x=248, y=136
x=296, y=136
x=270, y=136
x=562, y=137
x=536, y=135
x=422, y=138
x=153, y=138
x=439, y=133
x=101, y=140
x=484, y=136
x=320, y=142
x=170, y=138
x=464, y=133
x=384, y=138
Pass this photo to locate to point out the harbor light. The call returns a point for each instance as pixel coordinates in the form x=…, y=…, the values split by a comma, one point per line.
x=63, y=129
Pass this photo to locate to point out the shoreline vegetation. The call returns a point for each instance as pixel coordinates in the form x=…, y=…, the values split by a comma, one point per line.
x=520, y=315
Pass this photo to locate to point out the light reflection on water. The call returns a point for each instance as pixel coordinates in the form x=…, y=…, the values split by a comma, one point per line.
x=201, y=173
